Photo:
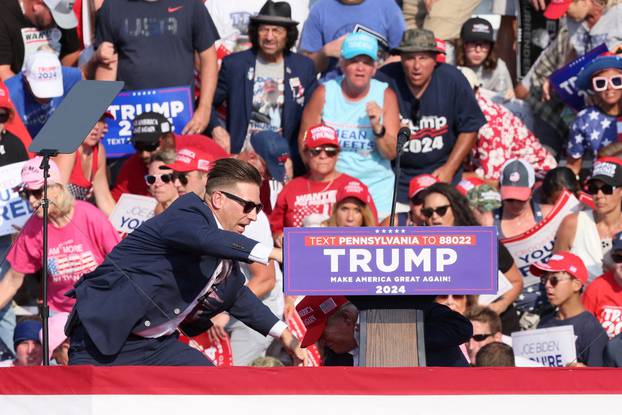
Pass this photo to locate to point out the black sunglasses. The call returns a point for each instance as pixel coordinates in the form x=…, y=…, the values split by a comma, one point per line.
x=165, y=178
x=247, y=205
x=329, y=150
x=481, y=337
x=182, y=177
x=617, y=258
x=440, y=211
x=593, y=189
x=146, y=147
x=4, y=116
x=553, y=279
x=26, y=193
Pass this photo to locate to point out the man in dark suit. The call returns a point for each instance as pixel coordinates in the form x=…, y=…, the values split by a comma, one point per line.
x=265, y=88
x=172, y=274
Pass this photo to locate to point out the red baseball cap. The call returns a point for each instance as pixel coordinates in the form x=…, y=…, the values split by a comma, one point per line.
x=5, y=102
x=191, y=158
x=556, y=9
x=418, y=183
x=562, y=261
x=314, y=312
x=468, y=183
x=320, y=135
x=355, y=189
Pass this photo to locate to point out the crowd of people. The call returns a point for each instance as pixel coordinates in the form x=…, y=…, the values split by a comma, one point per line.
x=314, y=94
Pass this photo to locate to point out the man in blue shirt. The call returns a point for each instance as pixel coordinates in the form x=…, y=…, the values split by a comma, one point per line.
x=39, y=89
x=171, y=275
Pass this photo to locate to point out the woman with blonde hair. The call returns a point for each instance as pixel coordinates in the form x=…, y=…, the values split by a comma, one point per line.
x=352, y=207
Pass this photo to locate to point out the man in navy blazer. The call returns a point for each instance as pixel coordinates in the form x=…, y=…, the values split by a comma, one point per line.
x=171, y=275
x=265, y=88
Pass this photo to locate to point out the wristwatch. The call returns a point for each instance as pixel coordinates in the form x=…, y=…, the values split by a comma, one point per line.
x=381, y=133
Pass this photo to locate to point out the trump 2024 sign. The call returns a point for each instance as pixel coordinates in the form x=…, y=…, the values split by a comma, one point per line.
x=390, y=261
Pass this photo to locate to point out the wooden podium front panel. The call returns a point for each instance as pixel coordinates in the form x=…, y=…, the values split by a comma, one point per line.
x=391, y=338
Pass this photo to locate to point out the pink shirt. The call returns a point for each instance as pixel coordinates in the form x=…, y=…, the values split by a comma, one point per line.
x=75, y=249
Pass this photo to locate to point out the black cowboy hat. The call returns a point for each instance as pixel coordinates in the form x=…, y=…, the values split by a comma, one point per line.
x=276, y=13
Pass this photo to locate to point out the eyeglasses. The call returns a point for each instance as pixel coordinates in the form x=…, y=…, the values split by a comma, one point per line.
x=329, y=150
x=440, y=211
x=458, y=297
x=481, y=337
x=150, y=148
x=182, y=177
x=247, y=205
x=599, y=83
x=164, y=178
x=4, y=116
x=553, y=279
x=617, y=258
x=26, y=193
x=593, y=189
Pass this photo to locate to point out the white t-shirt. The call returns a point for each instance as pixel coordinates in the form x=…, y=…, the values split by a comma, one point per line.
x=231, y=18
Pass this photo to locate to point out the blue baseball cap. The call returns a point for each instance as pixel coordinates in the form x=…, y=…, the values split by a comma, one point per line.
x=26, y=330
x=616, y=242
x=274, y=150
x=600, y=63
x=356, y=44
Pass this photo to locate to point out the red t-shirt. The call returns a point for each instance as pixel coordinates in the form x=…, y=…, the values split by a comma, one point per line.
x=302, y=197
x=131, y=178
x=603, y=298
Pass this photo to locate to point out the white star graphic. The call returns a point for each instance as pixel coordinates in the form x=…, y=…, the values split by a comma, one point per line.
x=605, y=123
x=377, y=230
x=384, y=231
x=594, y=135
x=593, y=115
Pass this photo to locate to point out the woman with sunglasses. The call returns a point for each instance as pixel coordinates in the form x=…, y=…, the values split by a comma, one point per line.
x=84, y=170
x=161, y=182
x=445, y=206
x=80, y=236
x=595, y=126
x=352, y=207
x=589, y=233
x=416, y=194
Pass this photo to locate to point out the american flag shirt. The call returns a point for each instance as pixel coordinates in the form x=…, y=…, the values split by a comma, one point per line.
x=591, y=131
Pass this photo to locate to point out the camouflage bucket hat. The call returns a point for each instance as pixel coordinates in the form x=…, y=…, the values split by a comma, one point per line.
x=417, y=40
x=484, y=197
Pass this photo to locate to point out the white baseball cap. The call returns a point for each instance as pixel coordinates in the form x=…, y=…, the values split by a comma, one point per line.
x=62, y=13
x=44, y=74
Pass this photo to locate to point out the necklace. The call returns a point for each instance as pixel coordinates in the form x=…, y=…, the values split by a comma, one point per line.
x=325, y=187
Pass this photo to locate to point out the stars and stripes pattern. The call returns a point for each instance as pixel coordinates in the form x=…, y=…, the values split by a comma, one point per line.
x=591, y=131
x=73, y=264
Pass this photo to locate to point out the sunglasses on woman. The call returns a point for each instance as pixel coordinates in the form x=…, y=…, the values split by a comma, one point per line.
x=594, y=188
x=26, y=193
x=329, y=150
x=247, y=205
x=553, y=279
x=164, y=178
x=4, y=116
x=149, y=148
x=599, y=83
x=481, y=337
x=439, y=210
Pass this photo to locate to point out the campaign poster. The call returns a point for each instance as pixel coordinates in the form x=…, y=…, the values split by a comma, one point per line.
x=174, y=103
x=390, y=261
x=536, y=245
x=15, y=210
x=550, y=347
x=564, y=79
x=535, y=33
x=131, y=211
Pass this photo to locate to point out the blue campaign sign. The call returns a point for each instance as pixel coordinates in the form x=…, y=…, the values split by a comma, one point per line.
x=406, y=260
x=563, y=80
x=174, y=103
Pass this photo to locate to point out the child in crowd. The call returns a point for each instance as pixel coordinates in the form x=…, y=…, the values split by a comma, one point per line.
x=475, y=50
x=595, y=126
x=564, y=277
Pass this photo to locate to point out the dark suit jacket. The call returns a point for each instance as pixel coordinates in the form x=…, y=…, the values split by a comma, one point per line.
x=158, y=270
x=235, y=86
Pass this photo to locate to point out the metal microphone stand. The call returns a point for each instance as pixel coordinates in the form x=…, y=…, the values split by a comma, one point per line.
x=403, y=136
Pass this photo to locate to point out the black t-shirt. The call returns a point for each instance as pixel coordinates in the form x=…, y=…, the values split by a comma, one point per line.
x=12, y=149
x=156, y=40
x=591, y=338
x=17, y=34
x=447, y=108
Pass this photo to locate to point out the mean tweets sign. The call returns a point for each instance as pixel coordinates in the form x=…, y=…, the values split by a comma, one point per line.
x=390, y=261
